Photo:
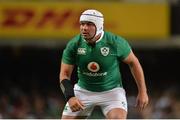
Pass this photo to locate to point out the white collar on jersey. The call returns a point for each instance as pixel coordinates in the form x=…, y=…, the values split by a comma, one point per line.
x=102, y=34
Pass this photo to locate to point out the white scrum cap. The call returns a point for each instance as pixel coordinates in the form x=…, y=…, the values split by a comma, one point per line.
x=95, y=17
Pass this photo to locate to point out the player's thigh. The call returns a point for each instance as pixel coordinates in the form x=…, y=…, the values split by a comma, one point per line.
x=117, y=113
x=114, y=103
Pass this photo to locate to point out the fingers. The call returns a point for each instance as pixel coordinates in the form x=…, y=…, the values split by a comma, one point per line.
x=75, y=108
x=81, y=105
x=141, y=105
x=77, y=105
x=142, y=101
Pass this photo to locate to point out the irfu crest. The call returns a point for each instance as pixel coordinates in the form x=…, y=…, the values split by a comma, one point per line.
x=104, y=51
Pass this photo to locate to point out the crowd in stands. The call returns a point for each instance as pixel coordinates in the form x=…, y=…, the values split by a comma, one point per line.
x=29, y=85
x=20, y=105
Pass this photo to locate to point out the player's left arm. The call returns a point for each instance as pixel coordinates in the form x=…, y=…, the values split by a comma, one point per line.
x=138, y=74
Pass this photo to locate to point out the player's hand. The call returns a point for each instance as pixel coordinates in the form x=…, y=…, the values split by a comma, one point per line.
x=75, y=104
x=142, y=100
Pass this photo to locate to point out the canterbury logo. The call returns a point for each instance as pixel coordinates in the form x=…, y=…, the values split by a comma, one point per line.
x=81, y=51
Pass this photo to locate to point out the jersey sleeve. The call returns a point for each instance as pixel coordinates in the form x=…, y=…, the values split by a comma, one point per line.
x=123, y=48
x=69, y=53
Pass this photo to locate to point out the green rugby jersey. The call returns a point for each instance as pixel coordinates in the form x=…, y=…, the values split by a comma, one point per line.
x=98, y=66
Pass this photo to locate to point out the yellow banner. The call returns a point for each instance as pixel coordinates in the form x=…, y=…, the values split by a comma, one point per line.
x=61, y=19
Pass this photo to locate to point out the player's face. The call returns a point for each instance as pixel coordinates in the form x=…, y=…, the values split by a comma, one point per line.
x=87, y=30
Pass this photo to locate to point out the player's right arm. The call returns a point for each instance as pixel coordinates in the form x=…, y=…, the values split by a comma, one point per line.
x=67, y=88
x=65, y=71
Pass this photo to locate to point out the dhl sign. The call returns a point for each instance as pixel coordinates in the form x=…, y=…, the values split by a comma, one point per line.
x=61, y=19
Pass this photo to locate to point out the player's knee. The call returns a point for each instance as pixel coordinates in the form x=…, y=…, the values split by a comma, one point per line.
x=117, y=114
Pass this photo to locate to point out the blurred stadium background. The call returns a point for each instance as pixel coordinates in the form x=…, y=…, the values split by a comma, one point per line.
x=33, y=34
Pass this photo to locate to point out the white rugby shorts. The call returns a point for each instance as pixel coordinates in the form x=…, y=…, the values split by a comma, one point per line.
x=107, y=100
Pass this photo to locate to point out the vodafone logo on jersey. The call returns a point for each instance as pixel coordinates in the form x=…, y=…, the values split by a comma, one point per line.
x=93, y=67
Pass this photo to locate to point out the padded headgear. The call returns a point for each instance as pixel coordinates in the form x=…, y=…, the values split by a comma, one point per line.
x=95, y=17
